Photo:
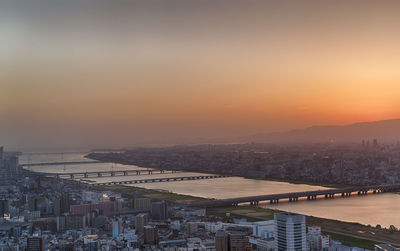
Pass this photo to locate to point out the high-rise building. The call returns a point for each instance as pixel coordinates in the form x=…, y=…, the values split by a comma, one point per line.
x=150, y=235
x=3, y=171
x=92, y=246
x=64, y=202
x=239, y=241
x=221, y=241
x=375, y=143
x=141, y=203
x=116, y=228
x=8, y=164
x=264, y=229
x=11, y=164
x=31, y=203
x=35, y=244
x=1, y=153
x=290, y=232
x=70, y=222
x=159, y=210
x=141, y=221
x=57, y=207
x=4, y=208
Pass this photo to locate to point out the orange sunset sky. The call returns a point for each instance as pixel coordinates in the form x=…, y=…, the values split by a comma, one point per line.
x=147, y=72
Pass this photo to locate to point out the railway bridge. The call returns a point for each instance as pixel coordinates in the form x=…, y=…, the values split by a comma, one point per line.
x=60, y=163
x=100, y=174
x=162, y=179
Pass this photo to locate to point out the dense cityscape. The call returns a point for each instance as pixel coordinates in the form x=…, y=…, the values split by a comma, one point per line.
x=199, y=125
x=366, y=163
x=43, y=213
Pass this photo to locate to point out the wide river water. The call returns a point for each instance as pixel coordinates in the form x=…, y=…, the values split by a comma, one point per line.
x=383, y=209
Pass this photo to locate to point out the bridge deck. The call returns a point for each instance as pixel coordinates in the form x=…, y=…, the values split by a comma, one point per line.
x=100, y=174
x=61, y=163
x=274, y=198
x=163, y=179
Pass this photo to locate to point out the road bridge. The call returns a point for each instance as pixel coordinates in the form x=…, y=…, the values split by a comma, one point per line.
x=162, y=179
x=60, y=163
x=293, y=197
x=56, y=153
x=101, y=174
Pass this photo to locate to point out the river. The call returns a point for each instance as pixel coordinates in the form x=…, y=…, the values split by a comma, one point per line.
x=380, y=209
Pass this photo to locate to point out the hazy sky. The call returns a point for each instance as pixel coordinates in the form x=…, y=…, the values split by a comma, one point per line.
x=98, y=73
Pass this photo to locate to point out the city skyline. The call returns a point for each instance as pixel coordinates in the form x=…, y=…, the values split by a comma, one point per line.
x=229, y=125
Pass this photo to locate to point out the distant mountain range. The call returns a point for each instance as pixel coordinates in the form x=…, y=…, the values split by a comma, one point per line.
x=384, y=131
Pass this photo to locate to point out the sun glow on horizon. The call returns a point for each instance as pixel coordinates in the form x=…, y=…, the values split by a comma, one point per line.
x=182, y=71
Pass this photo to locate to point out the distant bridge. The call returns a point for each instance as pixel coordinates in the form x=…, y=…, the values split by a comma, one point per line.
x=292, y=197
x=60, y=163
x=100, y=174
x=55, y=153
x=163, y=179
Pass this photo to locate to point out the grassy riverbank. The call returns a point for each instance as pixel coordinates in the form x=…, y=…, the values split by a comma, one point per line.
x=131, y=192
x=352, y=241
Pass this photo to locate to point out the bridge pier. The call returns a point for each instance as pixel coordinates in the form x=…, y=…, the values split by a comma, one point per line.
x=330, y=196
x=99, y=174
x=125, y=173
x=362, y=192
x=311, y=197
x=71, y=176
x=112, y=174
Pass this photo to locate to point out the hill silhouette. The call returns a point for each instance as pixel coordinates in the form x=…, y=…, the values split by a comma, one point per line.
x=385, y=130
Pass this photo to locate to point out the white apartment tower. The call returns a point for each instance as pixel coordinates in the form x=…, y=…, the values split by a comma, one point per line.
x=290, y=232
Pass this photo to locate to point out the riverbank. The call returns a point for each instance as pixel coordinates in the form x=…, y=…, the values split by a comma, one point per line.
x=348, y=233
x=130, y=192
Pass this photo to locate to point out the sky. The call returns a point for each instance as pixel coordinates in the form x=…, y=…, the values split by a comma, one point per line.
x=124, y=73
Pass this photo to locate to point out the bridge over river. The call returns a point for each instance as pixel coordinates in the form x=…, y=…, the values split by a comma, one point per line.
x=100, y=174
x=162, y=179
x=60, y=163
x=292, y=197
